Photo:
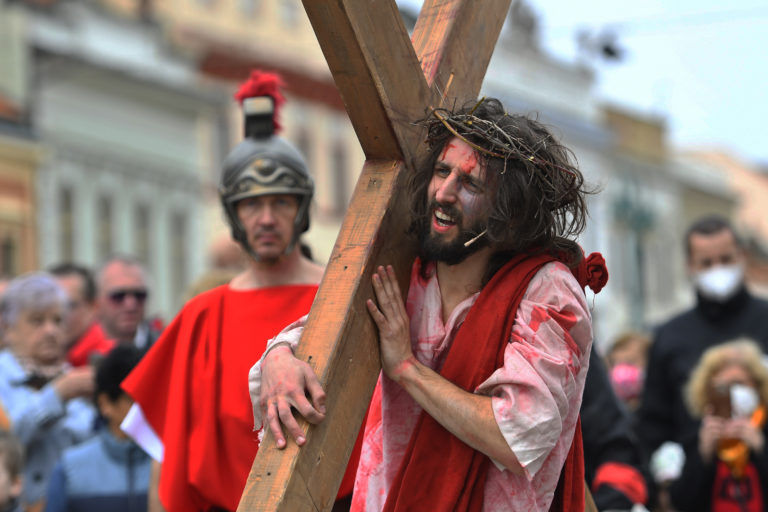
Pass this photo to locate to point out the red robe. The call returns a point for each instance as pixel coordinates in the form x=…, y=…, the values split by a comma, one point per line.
x=192, y=387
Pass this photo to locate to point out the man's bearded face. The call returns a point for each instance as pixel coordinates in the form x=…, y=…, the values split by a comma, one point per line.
x=457, y=204
x=452, y=251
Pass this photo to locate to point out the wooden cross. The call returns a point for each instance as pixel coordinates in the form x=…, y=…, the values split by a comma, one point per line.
x=386, y=83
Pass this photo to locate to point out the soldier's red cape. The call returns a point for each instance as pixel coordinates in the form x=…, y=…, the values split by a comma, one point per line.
x=192, y=387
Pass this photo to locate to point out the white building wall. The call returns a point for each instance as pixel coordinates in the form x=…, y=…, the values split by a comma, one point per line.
x=136, y=141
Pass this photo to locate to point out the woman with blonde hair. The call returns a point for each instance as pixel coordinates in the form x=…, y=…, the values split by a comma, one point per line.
x=726, y=466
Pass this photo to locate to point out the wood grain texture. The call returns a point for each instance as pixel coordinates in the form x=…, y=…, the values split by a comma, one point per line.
x=387, y=83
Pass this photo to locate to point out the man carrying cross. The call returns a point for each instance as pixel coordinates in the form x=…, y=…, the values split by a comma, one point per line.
x=484, y=364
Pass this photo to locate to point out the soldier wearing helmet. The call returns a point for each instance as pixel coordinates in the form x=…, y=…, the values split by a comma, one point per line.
x=191, y=412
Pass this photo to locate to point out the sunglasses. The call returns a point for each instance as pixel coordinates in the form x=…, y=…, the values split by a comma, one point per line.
x=118, y=296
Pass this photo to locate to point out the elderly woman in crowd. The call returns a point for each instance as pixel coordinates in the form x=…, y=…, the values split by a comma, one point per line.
x=726, y=466
x=45, y=399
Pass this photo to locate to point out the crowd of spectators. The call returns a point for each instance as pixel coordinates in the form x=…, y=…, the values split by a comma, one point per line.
x=696, y=386
x=67, y=340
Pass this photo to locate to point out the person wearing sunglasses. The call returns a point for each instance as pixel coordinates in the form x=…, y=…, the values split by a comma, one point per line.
x=122, y=296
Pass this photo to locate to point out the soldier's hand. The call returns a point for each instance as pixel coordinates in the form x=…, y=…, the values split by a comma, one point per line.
x=285, y=382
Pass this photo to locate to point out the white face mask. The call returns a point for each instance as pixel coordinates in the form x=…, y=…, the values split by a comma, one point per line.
x=720, y=283
x=744, y=401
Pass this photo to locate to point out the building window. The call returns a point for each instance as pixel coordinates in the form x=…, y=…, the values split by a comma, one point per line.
x=289, y=12
x=339, y=173
x=142, y=235
x=105, y=241
x=8, y=249
x=178, y=254
x=66, y=224
x=249, y=7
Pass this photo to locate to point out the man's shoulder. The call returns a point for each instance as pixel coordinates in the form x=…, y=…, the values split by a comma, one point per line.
x=197, y=309
x=7, y=358
x=677, y=331
x=11, y=369
x=680, y=319
x=553, y=279
x=204, y=300
x=759, y=303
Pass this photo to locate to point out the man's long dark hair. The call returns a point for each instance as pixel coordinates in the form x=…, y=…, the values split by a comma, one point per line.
x=536, y=191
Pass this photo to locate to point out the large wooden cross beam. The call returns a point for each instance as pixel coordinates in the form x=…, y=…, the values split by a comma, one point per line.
x=387, y=82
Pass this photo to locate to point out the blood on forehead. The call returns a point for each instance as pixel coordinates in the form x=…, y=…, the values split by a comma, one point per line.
x=457, y=154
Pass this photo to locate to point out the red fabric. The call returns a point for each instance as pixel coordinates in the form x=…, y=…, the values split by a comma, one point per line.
x=592, y=272
x=94, y=340
x=569, y=493
x=263, y=83
x=348, y=482
x=192, y=388
x=736, y=494
x=623, y=478
x=457, y=472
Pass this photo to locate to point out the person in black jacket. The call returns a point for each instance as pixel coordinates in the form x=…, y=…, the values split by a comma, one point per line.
x=725, y=310
x=726, y=463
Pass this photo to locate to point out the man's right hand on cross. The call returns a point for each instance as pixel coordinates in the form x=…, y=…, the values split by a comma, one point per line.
x=285, y=383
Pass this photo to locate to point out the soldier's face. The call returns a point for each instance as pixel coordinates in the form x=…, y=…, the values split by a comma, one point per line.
x=268, y=222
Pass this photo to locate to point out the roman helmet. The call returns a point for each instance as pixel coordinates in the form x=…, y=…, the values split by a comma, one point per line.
x=264, y=163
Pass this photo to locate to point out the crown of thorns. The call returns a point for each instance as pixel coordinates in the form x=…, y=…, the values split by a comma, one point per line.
x=500, y=143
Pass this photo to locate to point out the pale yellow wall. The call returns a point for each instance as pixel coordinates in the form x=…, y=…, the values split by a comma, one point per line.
x=18, y=163
x=265, y=33
x=751, y=187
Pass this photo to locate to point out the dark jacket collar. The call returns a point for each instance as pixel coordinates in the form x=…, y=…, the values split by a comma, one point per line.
x=717, y=310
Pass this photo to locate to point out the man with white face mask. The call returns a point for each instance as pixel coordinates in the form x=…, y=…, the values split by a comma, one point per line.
x=724, y=310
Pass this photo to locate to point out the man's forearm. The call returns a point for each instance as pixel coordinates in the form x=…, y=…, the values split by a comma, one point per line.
x=466, y=415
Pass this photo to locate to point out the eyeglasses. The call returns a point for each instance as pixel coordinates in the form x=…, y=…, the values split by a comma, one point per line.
x=118, y=296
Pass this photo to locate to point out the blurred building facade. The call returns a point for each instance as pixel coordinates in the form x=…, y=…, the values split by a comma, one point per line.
x=19, y=158
x=19, y=154
x=128, y=113
x=126, y=135
x=645, y=198
x=226, y=39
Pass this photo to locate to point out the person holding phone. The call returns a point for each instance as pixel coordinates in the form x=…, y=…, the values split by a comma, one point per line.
x=726, y=466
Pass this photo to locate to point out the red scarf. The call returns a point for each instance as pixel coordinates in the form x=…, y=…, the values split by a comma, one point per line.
x=438, y=468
